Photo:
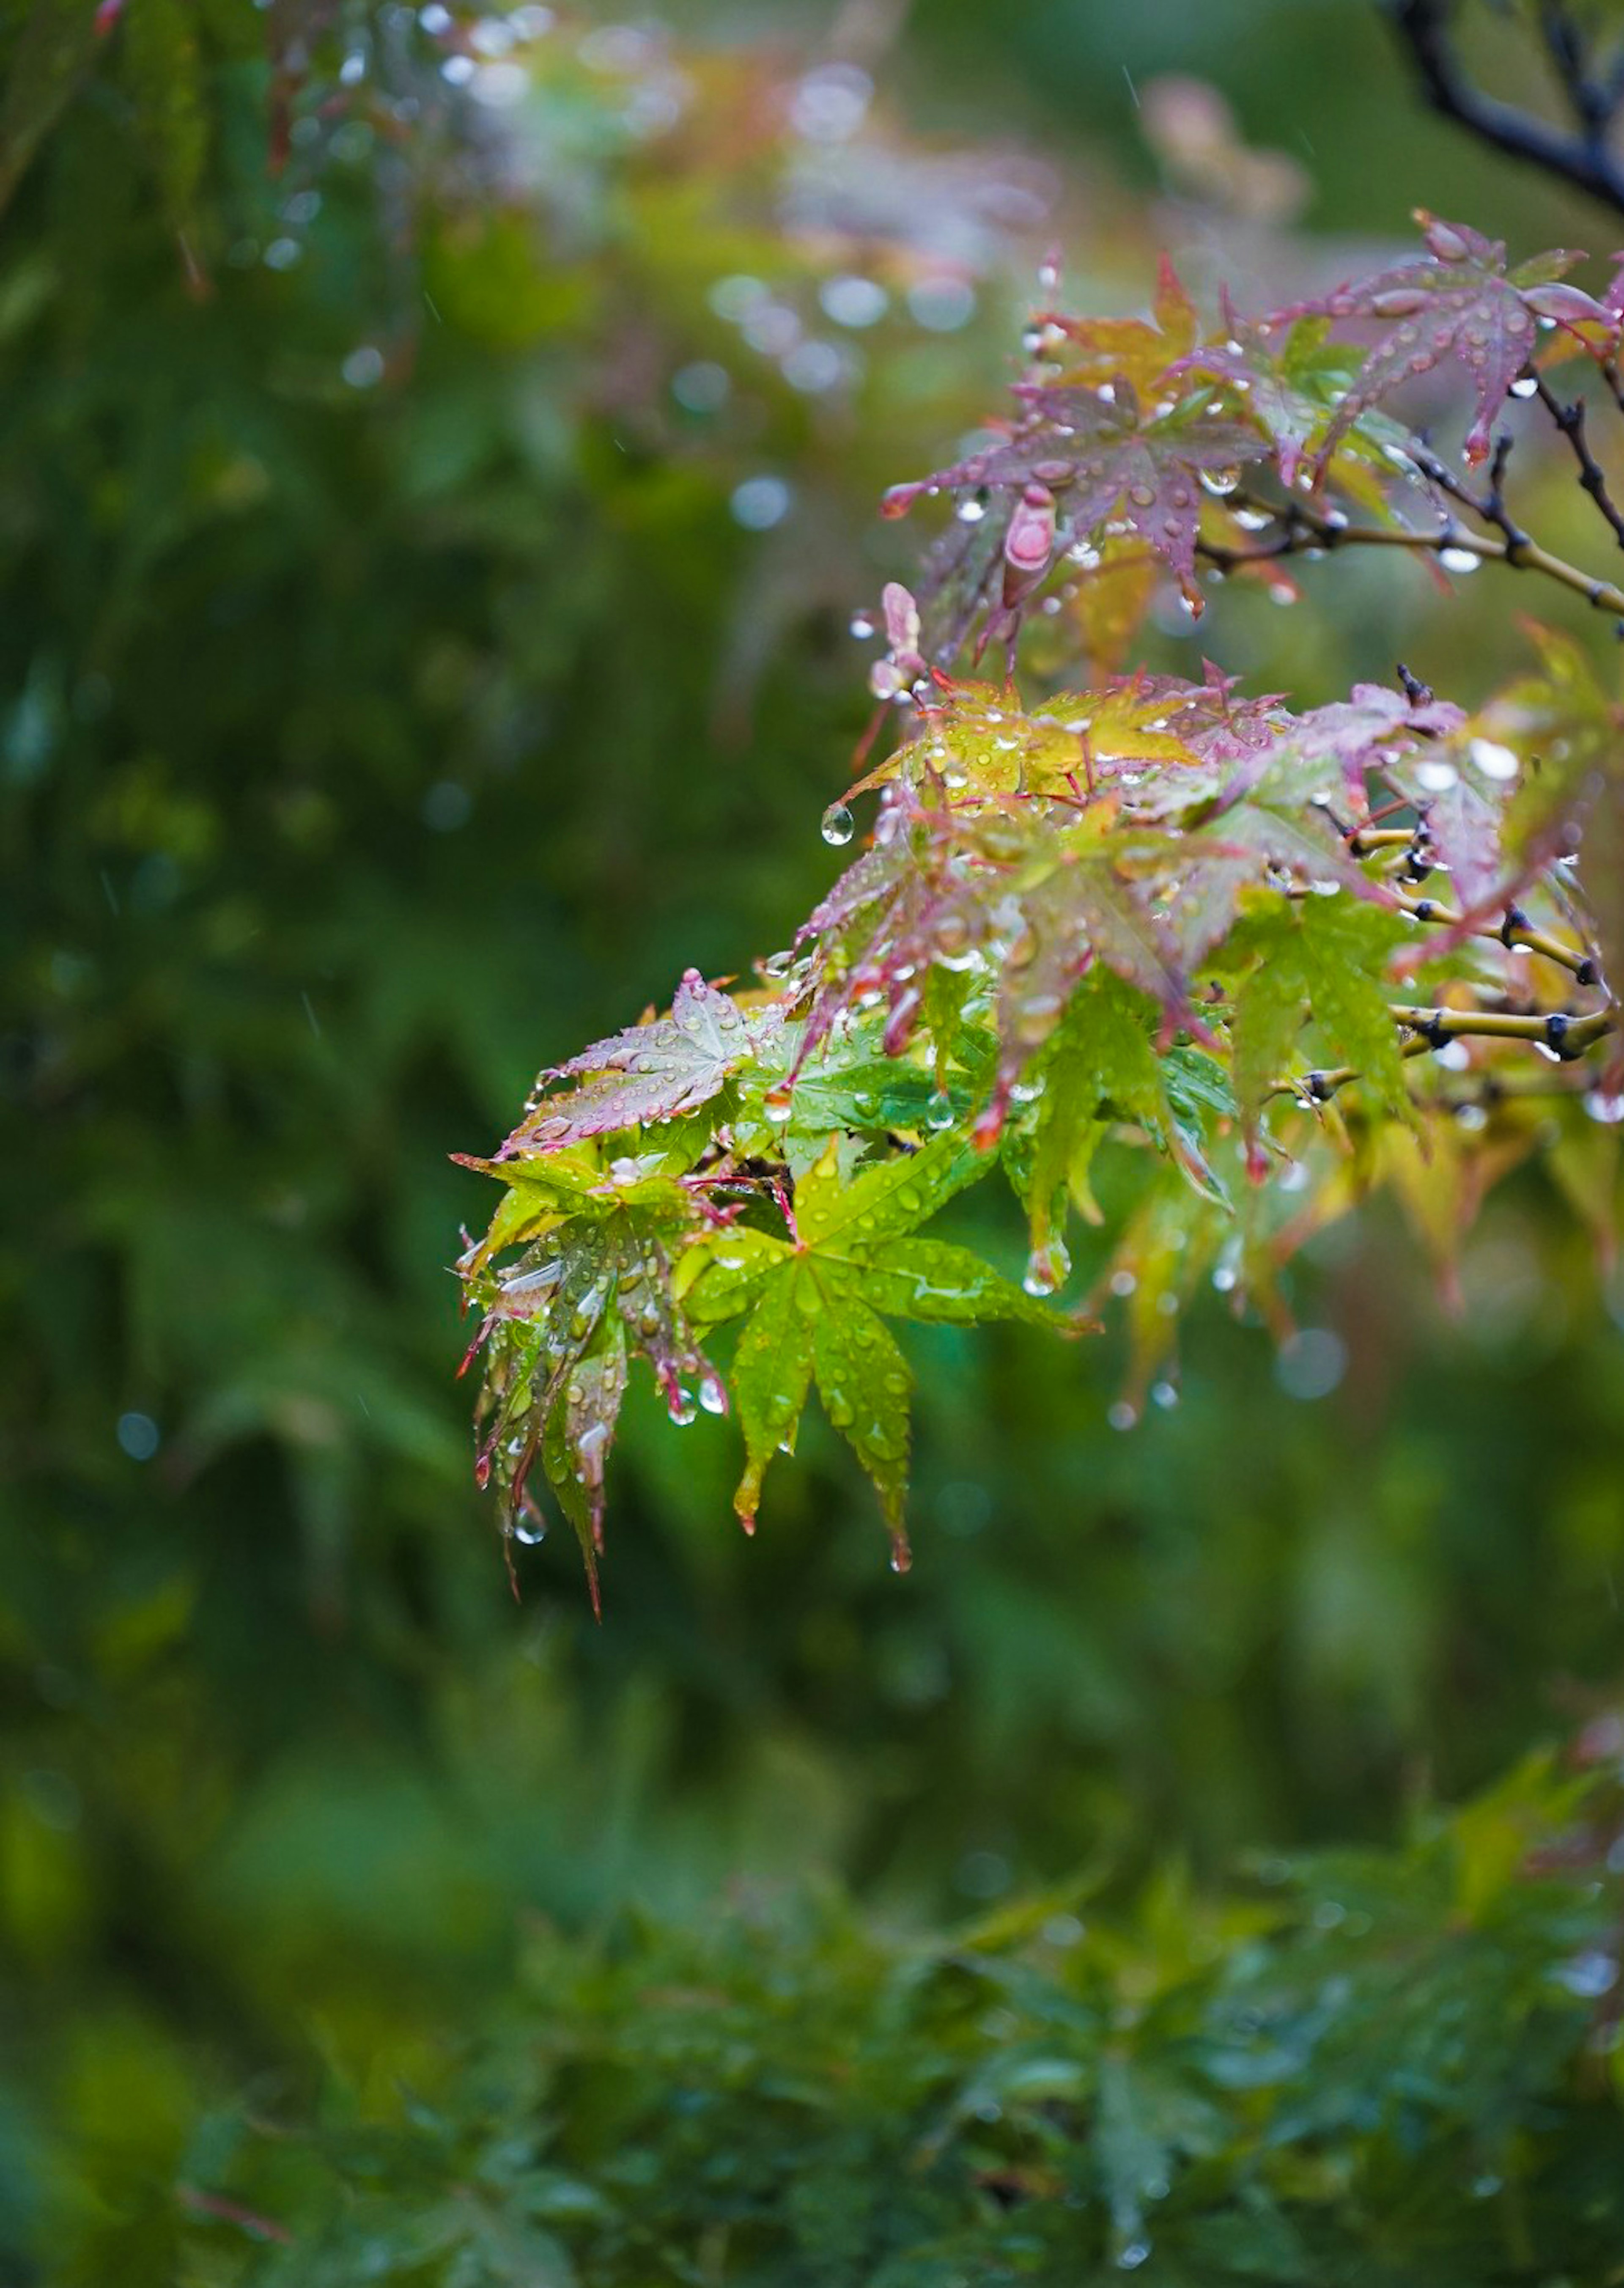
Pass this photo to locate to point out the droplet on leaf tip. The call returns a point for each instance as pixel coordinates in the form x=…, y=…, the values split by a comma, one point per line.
x=838, y=825
x=1047, y=1268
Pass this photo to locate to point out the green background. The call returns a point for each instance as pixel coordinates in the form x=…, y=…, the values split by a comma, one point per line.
x=364, y=745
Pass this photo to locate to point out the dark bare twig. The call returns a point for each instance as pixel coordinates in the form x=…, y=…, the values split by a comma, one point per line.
x=1579, y=157
x=1570, y=419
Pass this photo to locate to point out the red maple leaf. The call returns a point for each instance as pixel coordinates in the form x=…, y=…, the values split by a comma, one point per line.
x=1458, y=300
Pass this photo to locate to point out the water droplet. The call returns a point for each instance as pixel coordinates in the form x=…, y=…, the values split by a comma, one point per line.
x=760, y=502
x=137, y=1436
x=853, y=301
x=1460, y=561
x=838, y=825
x=1165, y=1394
x=971, y=511
x=680, y=1405
x=776, y=1103
x=901, y=1556
x=942, y=304
x=1047, y=1268
x=530, y=1531
x=1493, y=760
x=1123, y=1283
x=1604, y=1105
x=713, y=1394
x=1141, y=495
x=363, y=369
x=939, y=1110
x=1311, y=1364
x=1590, y=1976
x=1219, y=482
x=1134, y=2255
x=1525, y=386
x=1122, y=1415
x=861, y=626
x=1436, y=777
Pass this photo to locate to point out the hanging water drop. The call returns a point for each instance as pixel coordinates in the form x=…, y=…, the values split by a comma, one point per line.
x=713, y=1393
x=938, y=1111
x=838, y=824
x=776, y=1103
x=1046, y=1268
x=1459, y=561
x=862, y=626
x=680, y=1405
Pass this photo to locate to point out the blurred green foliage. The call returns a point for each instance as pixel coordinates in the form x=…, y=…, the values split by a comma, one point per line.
x=1386, y=2070
x=394, y=697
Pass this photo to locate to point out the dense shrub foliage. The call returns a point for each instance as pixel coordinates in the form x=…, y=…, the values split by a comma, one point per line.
x=1368, y=2068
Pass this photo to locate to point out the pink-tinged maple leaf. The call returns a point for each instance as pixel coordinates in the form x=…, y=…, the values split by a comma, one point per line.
x=1457, y=301
x=648, y=1073
x=1080, y=464
x=1462, y=827
x=920, y=899
x=1249, y=364
x=560, y=1326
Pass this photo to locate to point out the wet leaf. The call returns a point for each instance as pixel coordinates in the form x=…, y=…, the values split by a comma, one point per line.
x=1456, y=302
x=814, y=1297
x=649, y=1073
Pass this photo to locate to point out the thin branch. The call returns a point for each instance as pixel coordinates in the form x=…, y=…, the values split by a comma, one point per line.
x=1303, y=530
x=1565, y=1036
x=1591, y=103
x=1570, y=419
x=1515, y=932
x=1581, y=159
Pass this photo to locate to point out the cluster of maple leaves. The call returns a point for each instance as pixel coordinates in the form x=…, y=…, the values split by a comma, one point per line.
x=1141, y=914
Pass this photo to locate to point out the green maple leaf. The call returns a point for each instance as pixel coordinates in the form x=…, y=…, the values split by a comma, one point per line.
x=817, y=1301
x=1327, y=956
x=1099, y=1067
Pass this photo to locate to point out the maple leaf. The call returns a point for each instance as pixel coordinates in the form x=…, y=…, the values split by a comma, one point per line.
x=816, y=1300
x=1462, y=826
x=979, y=741
x=1324, y=958
x=1098, y=1068
x=1457, y=301
x=592, y=1287
x=1080, y=465
x=1138, y=351
x=650, y=1072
